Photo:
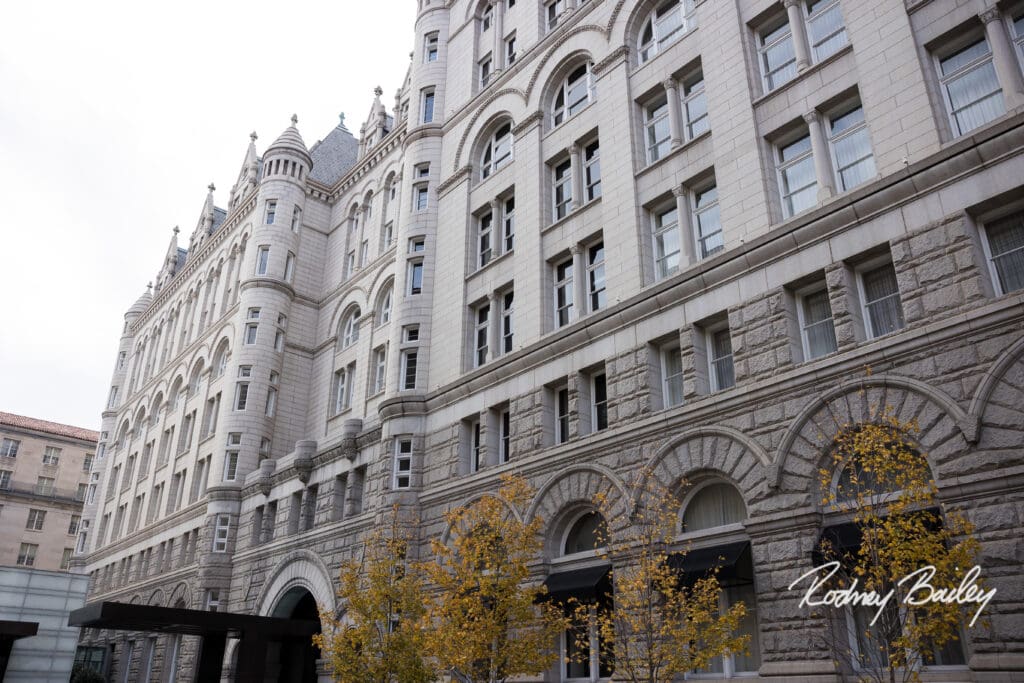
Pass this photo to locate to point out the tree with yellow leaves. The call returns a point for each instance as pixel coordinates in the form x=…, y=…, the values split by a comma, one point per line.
x=380, y=638
x=879, y=476
x=656, y=627
x=485, y=624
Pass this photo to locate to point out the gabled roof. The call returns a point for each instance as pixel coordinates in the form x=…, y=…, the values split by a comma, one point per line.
x=37, y=425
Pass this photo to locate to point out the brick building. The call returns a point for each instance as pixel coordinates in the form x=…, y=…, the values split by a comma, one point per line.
x=590, y=239
x=44, y=475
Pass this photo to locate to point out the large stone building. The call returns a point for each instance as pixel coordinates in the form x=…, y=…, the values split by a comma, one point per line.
x=591, y=241
x=44, y=474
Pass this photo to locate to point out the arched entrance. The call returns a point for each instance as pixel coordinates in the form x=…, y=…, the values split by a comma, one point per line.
x=294, y=661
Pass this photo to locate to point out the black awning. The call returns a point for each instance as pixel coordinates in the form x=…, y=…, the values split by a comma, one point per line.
x=588, y=582
x=121, y=616
x=12, y=630
x=732, y=561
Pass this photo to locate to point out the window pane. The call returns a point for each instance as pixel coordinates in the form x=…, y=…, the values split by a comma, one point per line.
x=714, y=505
x=819, y=329
x=1006, y=244
x=882, y=300
x=825, y=29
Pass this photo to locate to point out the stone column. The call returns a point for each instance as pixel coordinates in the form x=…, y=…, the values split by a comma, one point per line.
x=579, y=282
x=1003, y=58
x=577, y=177
x=498, y=55
x=686, y=231
x=820, y=152
x=675, y=111
x=496, y=239
x=801, y=47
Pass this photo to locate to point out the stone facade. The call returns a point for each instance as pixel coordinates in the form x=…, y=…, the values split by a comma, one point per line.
x=44, y=474
x=353, y=301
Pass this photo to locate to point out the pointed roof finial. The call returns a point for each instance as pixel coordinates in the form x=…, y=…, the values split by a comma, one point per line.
x=176, y=230
x=149, y=286
x=295, y=119
x=253, y=136
x=211, y=187
x=341, y=117
x=378, y=91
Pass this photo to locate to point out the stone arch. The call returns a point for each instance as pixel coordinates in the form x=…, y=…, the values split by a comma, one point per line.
x=356, y=298
x=156, y=598
x=562, y=52
x=1002, y=386
x=483, y=132
x=945, y=428
x=299, y=568
x=472, y=129
x=576, y=487
x=180, y=595
x=446, y=535
x=712, y=451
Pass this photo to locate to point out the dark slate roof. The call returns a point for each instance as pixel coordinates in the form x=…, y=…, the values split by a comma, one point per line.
x=182, y=256
x=219, y=215
x=333, y=156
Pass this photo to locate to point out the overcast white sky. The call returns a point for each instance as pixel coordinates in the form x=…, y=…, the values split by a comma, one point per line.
x=114, y=117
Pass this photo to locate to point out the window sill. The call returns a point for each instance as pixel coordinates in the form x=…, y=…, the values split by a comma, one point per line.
x=344, y=412
x=557, y=128
x=661, y=52
x=788, y=85
x=688, y=144
x=571, y=215
x=490, y=265
x=498, y=173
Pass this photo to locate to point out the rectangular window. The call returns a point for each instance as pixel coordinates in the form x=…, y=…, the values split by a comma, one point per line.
x=510, y=50
x=364, y=252
x=707, y=223
x=561, y=414
x=1004, y=242
x=599, y=401
x=220, y=533
x=262, y=259
x=35, y=520
x=484, y=251
x=408, y=369
x=27, y=554
x=481, y=334
x=350, y=265
x=776, y=56
x=507, y=331
x=825, y=28
x=271, y=407
x=82, y=489
x=562, y=188
x=592, y=171
x=415, y=277
x=816, y=326
x=271, y=211
x=420, y=197
x=552, y=11
x=672, y=376
x=250, y=333
x=474, y=445
x=51, y=456
x=289, y=267
x=65, y=559
x=657, y=134
x=798, y=185
x=416, y=245
x=427, y=107
x=430, y=44
x=230, y=465
x=296, y=218
x=665, y=224
x=340, y=390
x=595, y=277
x=403, y=463
x=241, y=395
x=87, y=463
x=5, y=479
x=411, y=333
x=563, y=292
x=484, y=69
x=720, y=359
x=504, y=436
x=970, y=88
x=509, y=225
x=695, y=106
x=883, y=312
x=851, y=148
x=44, y=486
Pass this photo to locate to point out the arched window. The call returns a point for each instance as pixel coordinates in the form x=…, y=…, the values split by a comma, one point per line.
x=714, y=505
x=668, y=22
x=589, y=532
x=712, y=508
x=574, y=93
x=350, y=329
x=195, y=378
x=384, y=306
x=498, y=150
x=175, y=394
x=221, y=358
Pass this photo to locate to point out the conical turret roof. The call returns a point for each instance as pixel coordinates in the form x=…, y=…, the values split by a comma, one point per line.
x=143, y=302
x=290, y=140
